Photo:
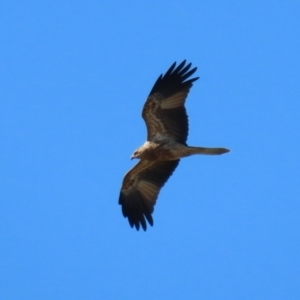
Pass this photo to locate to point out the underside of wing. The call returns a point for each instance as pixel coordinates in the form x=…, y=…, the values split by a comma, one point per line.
x=140, y=188
x=164, y=111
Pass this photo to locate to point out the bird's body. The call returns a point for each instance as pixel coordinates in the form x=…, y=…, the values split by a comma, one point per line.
x=160, y=151
x=169, y=150
x=167, y=126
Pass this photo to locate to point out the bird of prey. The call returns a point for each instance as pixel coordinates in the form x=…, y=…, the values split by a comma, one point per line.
x=167, y=127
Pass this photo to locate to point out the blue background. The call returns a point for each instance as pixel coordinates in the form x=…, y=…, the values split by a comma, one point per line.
x=74, y=77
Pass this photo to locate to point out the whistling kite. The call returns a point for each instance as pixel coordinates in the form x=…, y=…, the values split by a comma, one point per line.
x=167, y=126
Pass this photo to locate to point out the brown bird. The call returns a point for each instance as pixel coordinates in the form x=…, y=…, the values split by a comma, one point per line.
x=167, y=125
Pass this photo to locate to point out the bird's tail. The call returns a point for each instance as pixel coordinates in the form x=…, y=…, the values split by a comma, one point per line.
x=207, y=151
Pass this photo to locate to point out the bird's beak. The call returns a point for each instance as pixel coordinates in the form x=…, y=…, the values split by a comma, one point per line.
x=132, y=157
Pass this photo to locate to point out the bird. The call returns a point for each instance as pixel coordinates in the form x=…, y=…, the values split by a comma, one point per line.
x=166, y=120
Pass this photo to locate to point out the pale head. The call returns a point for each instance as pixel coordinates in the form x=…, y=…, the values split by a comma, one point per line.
x=136, y=154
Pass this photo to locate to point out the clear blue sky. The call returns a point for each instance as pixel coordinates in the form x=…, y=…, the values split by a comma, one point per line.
x=74, y=77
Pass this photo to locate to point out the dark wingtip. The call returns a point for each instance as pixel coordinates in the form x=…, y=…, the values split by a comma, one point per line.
x=134, y=210
x=175, y=79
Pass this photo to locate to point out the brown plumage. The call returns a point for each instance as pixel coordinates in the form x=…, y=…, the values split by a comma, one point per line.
x=167, y=127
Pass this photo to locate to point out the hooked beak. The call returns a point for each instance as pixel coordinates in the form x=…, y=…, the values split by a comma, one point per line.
x=132, y=157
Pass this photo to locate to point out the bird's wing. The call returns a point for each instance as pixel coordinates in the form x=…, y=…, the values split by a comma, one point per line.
x=140, y=189
x=164, y=111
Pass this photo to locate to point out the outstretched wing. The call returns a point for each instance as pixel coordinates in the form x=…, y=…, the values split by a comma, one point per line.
x=140, y=189
x=164, y=111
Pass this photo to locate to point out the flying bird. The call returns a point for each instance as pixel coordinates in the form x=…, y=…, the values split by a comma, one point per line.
x=167, y=129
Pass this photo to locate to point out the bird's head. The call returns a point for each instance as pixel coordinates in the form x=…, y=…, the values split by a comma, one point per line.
x=136, y=154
